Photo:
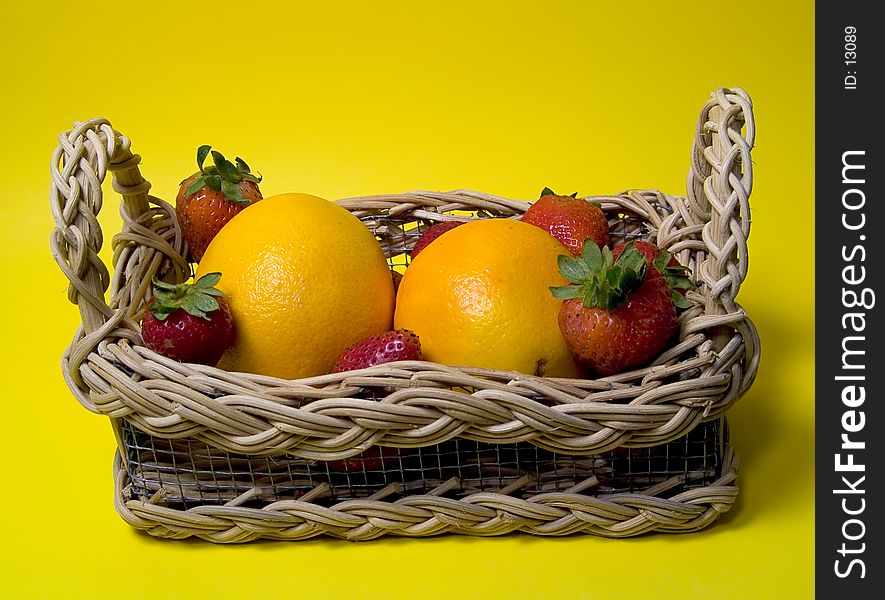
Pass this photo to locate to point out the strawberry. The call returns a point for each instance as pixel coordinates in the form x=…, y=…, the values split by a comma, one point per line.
x=569, y=219
x=189, y=322
x=620, y=315
x=664, y=263
x=372, y=459
x=391, y=346
x=211, y=197
x=431, y=234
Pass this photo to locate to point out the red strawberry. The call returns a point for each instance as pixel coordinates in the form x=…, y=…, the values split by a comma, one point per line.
x=211, y=197
x=569, y=219
x=617, y=317
x=189, y=322
x=372, y=459
x=664, y=263
x=431, y=234
x=391, y=346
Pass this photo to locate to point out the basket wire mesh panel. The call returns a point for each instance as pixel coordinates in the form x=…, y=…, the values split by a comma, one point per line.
x=190, y=473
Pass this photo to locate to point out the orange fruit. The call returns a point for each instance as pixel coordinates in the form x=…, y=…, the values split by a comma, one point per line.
x=479, y=296
x=306, y=280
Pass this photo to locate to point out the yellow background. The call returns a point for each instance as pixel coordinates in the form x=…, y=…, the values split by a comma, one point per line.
x=370, y=97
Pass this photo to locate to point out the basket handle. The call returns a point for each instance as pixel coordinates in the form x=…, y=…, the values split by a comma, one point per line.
x=78, y=168
x=719, y=184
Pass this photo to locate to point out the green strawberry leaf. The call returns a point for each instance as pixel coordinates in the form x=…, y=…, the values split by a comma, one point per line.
x=233, y=193
x=614, y=275
x=215, y=292
x=680, y=301
x=195, y=312
x=226, y=168
x=208, y=280
x=201, y=302
x=162, y=284
x=677, y=278
x=195, y=185
x=213, y=182
x=157, y=307
x=662, y=260
x=681, y=283
x=572, y=269
x=546, y=192
x=608, y=258
x=631, y=259
x=574, y=195
x=165, y=295
x=593, y=257
x=242, y=167
x=632, y=279
x=202, y=153
x=565, y=292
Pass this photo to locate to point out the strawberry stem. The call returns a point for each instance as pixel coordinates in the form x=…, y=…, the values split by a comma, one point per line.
x=548, y=192
x=223, y=176
x=197, y=299
x=600, y=281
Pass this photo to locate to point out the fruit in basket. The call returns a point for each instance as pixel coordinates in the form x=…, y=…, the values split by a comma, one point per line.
x=306, y=279
x=390, y=346
x=431, y=234
x=189, y=322
x=477, y=296
x=620, y=314
x=211, y=197
x=569, y=219
x=666, y=264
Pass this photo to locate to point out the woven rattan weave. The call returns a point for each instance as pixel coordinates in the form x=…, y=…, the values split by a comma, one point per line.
x=412, y=404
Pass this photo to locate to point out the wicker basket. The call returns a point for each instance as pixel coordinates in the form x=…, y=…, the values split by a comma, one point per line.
x=232, y=457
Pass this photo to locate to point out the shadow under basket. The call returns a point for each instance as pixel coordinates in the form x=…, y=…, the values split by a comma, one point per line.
x=458, y=486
